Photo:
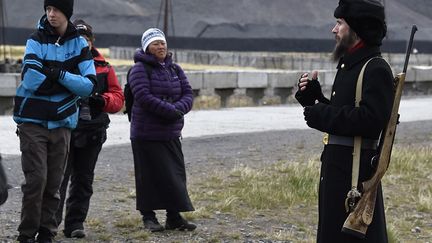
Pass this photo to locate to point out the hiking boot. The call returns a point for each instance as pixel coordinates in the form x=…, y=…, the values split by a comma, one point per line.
x=179, y=224
x=44, y=240
x=153, y=225
x=78, y=233
x=25, y=239
x=44, y=236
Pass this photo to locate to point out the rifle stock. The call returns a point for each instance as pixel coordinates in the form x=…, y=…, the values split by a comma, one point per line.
x=360, y=218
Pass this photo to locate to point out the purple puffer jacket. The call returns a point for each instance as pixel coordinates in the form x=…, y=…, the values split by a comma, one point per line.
x=154, y=115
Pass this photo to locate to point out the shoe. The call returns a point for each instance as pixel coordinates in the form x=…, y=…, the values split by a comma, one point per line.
x=25, y=239
x=153, y=225
x=44, y=236
x=78, y=233
x=179, y=224
x=44, y=240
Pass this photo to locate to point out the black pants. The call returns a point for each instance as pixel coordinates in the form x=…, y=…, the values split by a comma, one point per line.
x=80, y=170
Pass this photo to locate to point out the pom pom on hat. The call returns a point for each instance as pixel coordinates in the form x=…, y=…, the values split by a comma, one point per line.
x=66, y=6
x=151, y=35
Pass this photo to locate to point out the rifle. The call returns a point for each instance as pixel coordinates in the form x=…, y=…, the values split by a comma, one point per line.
x=360, y=218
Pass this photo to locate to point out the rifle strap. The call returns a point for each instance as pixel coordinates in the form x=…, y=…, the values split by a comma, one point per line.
x=354, y=194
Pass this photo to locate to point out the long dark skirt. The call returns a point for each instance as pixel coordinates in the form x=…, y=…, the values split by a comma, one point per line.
x=335, y=182
x=160, y=176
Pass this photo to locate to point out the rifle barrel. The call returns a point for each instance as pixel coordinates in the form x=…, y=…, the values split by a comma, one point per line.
x=409, y=47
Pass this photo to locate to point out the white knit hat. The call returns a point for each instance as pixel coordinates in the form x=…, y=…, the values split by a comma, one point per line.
x=151, y=35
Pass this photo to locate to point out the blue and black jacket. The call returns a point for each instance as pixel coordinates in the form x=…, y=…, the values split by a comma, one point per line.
x=53, y=103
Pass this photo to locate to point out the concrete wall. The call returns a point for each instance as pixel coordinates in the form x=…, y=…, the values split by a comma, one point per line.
x=270, y=60
x=215, y=89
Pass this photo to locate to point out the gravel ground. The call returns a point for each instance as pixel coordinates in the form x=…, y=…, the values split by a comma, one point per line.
x=114, y=181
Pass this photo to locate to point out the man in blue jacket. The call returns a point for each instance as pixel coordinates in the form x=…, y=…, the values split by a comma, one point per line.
x=57, y=71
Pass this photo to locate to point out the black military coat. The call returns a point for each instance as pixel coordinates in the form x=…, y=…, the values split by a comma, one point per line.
x=339, y=116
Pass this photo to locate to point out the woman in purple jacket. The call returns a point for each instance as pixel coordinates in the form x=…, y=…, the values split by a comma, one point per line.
x=162, y=95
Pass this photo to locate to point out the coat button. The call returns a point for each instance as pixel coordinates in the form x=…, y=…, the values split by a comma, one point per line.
x=343, y=65
x=334, y=93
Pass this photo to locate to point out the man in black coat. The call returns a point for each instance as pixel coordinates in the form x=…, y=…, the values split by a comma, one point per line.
x=359, y=30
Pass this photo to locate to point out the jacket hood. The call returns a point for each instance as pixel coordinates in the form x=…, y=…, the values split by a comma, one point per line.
x=141, y=56
x=44, y=25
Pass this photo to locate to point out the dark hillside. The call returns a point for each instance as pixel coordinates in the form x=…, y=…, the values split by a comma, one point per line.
x=124, y=21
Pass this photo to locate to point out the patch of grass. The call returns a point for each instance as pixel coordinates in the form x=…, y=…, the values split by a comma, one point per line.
x=288, y=235
x=408, y=187
x=201, y=212
x=392, y=234
x=409, y=170
x=95, y=224
x=105, y=237
x=424, y=196
x=398, y=226
x=132, y=227
x=278, y=186
x=131, y=194
x=128, y=222
x=141, y=235
x=289, y=189
x=409, y=161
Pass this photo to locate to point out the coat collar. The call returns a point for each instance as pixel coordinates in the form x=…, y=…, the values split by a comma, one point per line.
x=45, y=27
x=141, y=56
x=352, y=59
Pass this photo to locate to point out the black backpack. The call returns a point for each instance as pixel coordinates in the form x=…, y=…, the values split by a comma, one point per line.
x=129, y=99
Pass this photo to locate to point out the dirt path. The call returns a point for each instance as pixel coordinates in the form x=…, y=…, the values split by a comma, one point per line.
x=113, y=208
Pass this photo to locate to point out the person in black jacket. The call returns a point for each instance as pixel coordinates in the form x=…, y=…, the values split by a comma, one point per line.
x=359, y=30
x=87, y=140
x=3, y=184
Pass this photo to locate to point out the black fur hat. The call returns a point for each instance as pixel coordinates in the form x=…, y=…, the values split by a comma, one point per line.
x=66, y=6
x=365, y=17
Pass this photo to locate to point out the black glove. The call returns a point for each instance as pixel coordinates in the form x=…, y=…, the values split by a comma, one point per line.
x=50, y=86
x=96, y=102
x=51, y=73
x=179, y=114
x=312, y=93
x=314, y=87
x=312, y=114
